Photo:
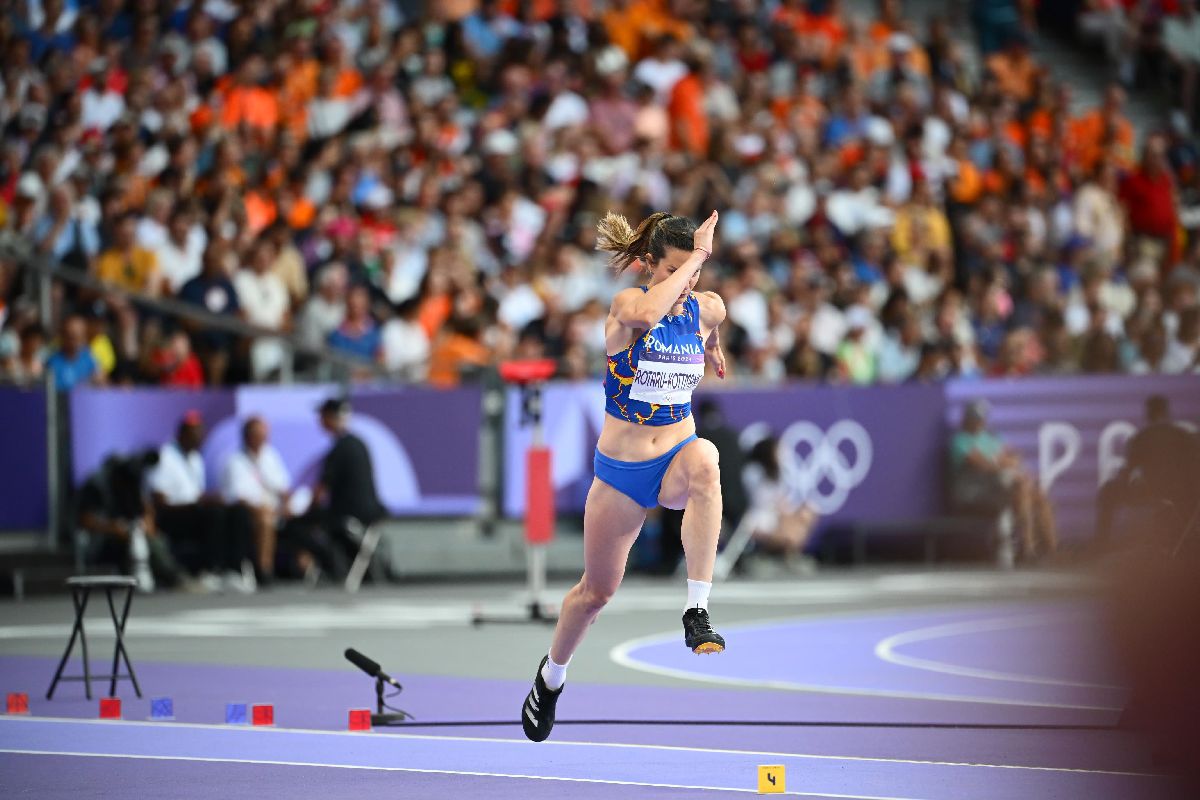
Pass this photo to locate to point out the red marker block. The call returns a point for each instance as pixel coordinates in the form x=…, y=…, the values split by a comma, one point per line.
x=18, y=703
x=262, y=715
x=360, y=719
x=110, y=708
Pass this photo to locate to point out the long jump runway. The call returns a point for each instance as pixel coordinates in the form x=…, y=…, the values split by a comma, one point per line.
x=283, y=763
x=959, y=703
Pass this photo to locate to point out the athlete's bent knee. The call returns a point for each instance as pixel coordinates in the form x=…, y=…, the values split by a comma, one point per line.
x=595, y=597
x=704, y=477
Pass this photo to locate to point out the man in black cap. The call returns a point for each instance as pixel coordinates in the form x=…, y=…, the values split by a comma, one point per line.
x=345, y=491
x=347, y=482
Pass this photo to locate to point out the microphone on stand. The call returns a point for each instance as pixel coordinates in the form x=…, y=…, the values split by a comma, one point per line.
x=372, y=668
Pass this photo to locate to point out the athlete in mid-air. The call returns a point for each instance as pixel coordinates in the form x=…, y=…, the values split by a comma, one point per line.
x=659, y=337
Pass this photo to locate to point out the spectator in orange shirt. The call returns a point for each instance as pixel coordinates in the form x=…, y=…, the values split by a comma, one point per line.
x=890, y=20
x=347, y=79
x=249, y=101
x=1014, y=69
x=824, y=31
x=862, y=54
x=460, y=349
x=1104, y=131
x=689, y=122
x=620, y=24
x=966, y=186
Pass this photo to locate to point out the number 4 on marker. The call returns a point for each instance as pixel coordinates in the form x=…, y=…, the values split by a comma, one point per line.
x=771, y=779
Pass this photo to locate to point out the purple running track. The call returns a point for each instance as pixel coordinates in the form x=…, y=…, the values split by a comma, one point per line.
x=542, y=770
x=1035, y=655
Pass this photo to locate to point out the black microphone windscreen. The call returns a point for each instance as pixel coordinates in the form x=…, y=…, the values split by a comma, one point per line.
x=362, y=662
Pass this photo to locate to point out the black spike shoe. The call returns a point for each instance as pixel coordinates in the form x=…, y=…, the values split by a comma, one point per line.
x=537, y=715
x=698, y=634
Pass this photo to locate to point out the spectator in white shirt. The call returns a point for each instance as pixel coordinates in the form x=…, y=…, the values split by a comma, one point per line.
x=102, y=107
x=264, y=301
x=256, y=477
x=405, y=343
x=181, y=255
x=662, y=70
x=326, y=308
x=207, y=536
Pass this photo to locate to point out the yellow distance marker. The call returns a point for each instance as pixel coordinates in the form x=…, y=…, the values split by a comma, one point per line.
x=770, y=779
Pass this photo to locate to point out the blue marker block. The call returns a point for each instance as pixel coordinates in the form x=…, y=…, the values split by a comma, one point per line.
x=235, y=714
x=162, y=708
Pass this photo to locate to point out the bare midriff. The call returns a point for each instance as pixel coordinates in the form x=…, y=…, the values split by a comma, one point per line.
x=626, y=441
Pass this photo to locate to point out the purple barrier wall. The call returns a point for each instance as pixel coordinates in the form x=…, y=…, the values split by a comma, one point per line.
x=24, y=504
x=854, y=453
x=1072, y=431
x=424, y=443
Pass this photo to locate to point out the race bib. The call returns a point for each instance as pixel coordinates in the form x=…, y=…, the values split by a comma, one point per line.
x=667, y=378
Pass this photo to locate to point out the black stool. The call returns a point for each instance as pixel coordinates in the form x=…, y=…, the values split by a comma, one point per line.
x=81, y=590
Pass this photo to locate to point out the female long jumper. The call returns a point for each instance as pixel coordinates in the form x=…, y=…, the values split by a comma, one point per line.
x=658, y=338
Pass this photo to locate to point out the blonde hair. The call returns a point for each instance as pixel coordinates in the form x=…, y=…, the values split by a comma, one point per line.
x=653, y=236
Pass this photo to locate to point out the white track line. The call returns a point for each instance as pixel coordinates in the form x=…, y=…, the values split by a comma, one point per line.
x=266, y=762
x=885, y=650
x=245, y=729
x=620, y=654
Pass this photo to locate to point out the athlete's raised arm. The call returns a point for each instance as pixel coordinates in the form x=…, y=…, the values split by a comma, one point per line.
x=634, y=308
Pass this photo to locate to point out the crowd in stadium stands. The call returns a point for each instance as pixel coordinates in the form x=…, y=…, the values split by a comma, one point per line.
x=896, y=204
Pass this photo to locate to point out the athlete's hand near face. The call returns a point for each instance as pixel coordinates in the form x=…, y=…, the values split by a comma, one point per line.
x=703, y=238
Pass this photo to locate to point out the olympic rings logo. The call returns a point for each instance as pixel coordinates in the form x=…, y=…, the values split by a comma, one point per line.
x=822, y=468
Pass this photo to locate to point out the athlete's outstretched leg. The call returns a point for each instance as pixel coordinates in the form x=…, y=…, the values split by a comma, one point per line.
x=694, y=483
x=611, y=523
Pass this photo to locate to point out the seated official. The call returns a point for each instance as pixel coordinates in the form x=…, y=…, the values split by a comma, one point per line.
x=210, y=537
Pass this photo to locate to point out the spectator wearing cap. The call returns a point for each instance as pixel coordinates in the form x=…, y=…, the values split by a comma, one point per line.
x=344, y=493
x=72, y=363
x=206, y=535
x=986, y=476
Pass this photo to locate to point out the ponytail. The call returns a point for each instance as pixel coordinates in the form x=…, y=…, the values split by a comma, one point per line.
x=615, y=235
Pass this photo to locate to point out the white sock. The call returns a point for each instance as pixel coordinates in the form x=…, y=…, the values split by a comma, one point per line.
x=698, y=594
x=555, y=675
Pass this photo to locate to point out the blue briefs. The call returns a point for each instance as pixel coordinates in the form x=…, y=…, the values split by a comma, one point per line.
x=640, y=481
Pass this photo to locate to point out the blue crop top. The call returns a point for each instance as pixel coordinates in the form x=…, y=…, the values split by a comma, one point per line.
x=651, y=381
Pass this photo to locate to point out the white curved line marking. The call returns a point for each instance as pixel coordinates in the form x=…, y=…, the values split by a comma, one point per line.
x=886, y=651
x=621, y=655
